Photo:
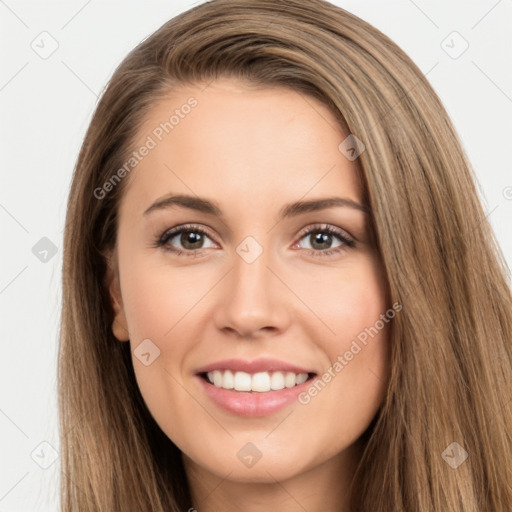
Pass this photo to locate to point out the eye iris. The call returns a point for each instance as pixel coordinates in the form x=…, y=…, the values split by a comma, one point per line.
x=189, y=238
x=321, y=238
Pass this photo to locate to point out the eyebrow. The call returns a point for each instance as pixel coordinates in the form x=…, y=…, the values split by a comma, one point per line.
x=290, y=210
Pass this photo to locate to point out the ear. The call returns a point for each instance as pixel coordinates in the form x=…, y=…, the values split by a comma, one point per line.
x=119, y=324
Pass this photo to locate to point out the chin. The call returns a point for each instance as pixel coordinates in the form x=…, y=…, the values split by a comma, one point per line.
x=265, y=470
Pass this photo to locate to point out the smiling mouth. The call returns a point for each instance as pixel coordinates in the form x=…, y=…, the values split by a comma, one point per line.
x=260, y=382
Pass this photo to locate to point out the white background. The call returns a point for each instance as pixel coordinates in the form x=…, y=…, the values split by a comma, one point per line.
x=46, y=105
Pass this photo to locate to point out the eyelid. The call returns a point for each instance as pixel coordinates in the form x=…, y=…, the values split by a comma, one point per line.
x=326, y=227
x=301, y=234
x=347, y=240
x=171, y=232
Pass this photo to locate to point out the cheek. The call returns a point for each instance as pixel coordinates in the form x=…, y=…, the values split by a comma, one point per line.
x=356, y=372
x=365, y=325
x=153, y=312
x=155, y=300
x=350, y=302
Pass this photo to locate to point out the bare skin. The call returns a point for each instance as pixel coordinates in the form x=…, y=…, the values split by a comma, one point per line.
x=252, y=152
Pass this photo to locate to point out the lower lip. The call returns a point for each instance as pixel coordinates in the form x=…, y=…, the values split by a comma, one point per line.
x=252, y=403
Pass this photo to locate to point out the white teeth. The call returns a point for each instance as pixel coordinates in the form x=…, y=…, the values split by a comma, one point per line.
x=242, y=381
x=260, y=382
x=289, y=380
x=228, y=380
x=217, y=378
x=302, y=377
x=277, y=380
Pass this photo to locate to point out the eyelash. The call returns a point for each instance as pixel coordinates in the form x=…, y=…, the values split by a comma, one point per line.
x=162, y=240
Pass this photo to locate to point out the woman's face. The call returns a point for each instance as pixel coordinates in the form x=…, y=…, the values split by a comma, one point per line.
x=251, y=287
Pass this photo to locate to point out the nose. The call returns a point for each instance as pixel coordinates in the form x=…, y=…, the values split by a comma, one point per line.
x=254, y=302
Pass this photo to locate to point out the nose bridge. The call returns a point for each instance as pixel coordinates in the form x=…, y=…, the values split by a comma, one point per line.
x=251, y=299
x=251, y=276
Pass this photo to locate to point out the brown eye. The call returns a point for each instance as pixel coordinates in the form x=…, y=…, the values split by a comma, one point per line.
x=184, y=239
x=191, y=240
x=321, y=239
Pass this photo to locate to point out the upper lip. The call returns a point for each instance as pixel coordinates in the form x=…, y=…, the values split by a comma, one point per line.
x=254, y=366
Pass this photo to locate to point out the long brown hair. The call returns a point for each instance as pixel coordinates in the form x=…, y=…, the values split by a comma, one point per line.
x=451, y=364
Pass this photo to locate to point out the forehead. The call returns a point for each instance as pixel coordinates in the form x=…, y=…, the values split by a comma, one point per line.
x=238, y=141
